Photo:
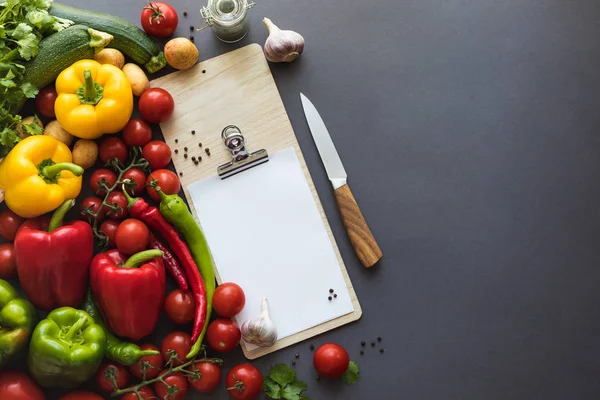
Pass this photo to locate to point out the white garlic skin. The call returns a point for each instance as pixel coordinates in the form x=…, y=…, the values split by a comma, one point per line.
x=282, y=46
x=261, y=330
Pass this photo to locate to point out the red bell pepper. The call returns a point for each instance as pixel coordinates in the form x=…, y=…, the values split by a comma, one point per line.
x=129, y=293
x=53, y=265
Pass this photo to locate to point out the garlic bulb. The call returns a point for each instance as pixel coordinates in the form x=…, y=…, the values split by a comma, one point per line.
x=261, y=330
x=282, y=46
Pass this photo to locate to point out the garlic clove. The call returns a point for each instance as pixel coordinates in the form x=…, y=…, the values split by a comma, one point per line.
x=282, y=46
x=261, y=330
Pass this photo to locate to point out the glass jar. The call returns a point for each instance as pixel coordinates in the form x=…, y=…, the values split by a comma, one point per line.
x=227, y=18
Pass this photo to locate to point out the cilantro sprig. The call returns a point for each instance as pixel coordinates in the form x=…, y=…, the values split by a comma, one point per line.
x=282, y=384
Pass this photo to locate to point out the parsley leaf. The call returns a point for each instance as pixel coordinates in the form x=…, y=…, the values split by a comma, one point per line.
x=34, y=127
x=272, y=388
x=282, y=374
x=352, y=374
x=29, y=90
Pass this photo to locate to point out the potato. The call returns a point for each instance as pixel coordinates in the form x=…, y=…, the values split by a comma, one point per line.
x=137, y=78
x=110, y=56
x=181, y=53
x=27, y=121
x=57, y=132
x=85, y=153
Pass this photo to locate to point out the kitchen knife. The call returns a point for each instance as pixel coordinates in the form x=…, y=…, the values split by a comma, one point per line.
x=362, y=239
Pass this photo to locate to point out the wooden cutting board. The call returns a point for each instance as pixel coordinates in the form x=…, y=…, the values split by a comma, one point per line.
x=236, y=88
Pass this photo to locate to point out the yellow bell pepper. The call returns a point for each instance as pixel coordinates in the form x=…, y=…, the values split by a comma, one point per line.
x=37, y=176
x=93, y=99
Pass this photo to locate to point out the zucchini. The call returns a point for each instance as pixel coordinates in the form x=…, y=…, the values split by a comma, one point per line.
x=59, y=51
x=128, y=38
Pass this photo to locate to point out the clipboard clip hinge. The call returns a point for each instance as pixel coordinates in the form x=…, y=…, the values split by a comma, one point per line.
x=241, y=160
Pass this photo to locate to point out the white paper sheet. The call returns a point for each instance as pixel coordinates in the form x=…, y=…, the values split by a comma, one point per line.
x=266, y=234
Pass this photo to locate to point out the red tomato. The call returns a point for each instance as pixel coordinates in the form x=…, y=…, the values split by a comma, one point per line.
x=110, y=178
x=158, y=154
x=229, y=299
x=109, y=228
x=244, y=382
x=44, y=101
x=118, y=199
x=139, y=178
x=156, y=105
x=8, y=267
x=112, y=147
x=155, y=363
x=137, y=133
x=40, y=223
x=19, y=386
x=120, y=373
x=331, y=360
x=9, y=224
x=179, y=342
x=93, y=203
x=179, y=306
x=223, y=335
x=81, y=395
x=159, y=19
x=176, y=379
x=210, y=376
x=146, y=393
x=132, y=236
x=167, y=181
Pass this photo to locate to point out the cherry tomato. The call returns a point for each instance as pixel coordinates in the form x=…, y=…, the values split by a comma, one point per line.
x=132, y=236
x=9, y=224
x=155, y=363
x=112, y=147
x=331, y=360
x=16, y=385
x=40, y=223
x=178, y=342
x=158, y=154
x=156, y=105
x=120, y=372
x=8, y=267
x=244, y=382
x=93, y=203
x=176, y=379
x=139, y=178
x=81, y=395
x=159, y=19
x=109, y=227
x=210, y=376
x=223, y=335
x=137, y=133
x=167, y=180
x=110, y=178
x=229, y=299
x=146, y=393
x=117, y=199
x=44, y=101
x=179, y=306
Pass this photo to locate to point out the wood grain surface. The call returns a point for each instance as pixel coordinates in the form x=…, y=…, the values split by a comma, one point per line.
x=236, y=88
x=362, y=239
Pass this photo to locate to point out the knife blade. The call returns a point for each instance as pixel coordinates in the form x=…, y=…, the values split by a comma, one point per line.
x=358, y=230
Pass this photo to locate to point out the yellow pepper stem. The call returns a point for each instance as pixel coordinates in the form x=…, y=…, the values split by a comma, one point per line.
x=90, y=92
x=50, y=172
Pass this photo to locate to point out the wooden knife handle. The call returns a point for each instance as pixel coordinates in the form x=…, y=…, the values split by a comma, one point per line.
x=362, y=239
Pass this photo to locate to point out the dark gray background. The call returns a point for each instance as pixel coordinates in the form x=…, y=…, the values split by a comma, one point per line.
x=470, y=133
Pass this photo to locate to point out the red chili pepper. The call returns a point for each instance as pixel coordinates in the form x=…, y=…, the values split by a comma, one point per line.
x=138, y=208
x=171, y=263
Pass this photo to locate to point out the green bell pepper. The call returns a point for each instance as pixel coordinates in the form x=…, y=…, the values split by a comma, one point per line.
x=66, y=348
x=17, y=319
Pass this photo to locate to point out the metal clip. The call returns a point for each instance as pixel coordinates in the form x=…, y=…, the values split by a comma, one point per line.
x=241, y=159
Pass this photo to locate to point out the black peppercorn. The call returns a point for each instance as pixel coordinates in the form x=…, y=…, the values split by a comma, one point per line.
x=199, y=158
x=191, y=38
x=362, y=343
x=193, y=158
x=293, y=362
x=199, y=144
x=191, y=27
x=176, y=151
x=379, y=338
x=335, y=295
x=381, y=350
x=185, y=148
x=362, y=352
x=185, y=13
x=181, y=174
x=372, y=344
x=193, y=132
x=207, y=150
x=329, y=298
x=196, y=162
x=185, y=155
x=312, y=346
x=176, y=140
x=330, y=290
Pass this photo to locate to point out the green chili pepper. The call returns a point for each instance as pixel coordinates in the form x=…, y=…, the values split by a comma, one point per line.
x=125, y=353
x=174, y=209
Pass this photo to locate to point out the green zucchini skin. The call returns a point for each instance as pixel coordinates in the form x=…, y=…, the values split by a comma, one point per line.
x=128, y=38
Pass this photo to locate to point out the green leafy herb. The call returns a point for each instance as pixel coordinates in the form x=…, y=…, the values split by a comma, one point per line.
x=352, y=374
x=282, y=384
x=23, y=23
